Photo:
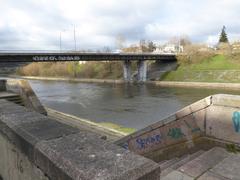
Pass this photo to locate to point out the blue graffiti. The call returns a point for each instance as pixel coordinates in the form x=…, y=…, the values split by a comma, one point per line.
x=125, y=146
x=144, y=142
x=236, y=121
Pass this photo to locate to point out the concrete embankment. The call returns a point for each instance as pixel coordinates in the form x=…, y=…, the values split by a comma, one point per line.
x=104, y=132
x=117, y=81
x=230, y=86
x=59, y=146
x=212, y=121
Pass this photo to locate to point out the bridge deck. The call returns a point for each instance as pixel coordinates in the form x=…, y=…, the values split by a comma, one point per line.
x=77, y=56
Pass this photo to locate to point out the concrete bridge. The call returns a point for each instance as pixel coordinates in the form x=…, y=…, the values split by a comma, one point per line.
x=126, y=58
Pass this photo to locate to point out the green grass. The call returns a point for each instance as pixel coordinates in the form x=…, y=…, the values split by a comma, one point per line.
x=118, y=127
x=219, y=68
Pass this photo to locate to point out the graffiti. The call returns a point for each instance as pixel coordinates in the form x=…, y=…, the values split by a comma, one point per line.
x=56, y=58
x=125, y=146
x=175, y=133
x=190, y=127
x=142, y=143
x=236, y=121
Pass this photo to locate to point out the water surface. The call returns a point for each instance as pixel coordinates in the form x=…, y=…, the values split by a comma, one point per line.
x=134, y=106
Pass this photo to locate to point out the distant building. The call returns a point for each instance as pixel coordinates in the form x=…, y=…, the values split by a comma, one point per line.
x=236, y=46
x=172, y=48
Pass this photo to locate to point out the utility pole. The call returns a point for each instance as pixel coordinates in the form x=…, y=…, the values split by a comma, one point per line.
x=74, y=36
x=60, y=41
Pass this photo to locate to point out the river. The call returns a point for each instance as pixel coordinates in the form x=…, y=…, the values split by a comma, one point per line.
x=134, y=106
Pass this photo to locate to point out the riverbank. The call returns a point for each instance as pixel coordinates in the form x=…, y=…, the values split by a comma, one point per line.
x=112, y=131
x=208, y=85
x=203, y=85
x=80, y=80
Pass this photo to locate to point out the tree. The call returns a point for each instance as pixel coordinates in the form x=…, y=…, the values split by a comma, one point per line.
x=151, y=46
x=223, y=36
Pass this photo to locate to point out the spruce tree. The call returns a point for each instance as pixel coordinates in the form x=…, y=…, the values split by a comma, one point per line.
x=223, y=37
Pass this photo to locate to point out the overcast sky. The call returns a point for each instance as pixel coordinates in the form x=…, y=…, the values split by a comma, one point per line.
x=36, y=24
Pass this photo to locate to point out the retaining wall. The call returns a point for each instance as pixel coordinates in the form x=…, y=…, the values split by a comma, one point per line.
x=23, y=89
x=33, y=146
x=216, y=117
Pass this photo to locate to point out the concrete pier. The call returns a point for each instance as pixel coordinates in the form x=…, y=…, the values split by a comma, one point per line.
x=127, y=75
x=142, y=71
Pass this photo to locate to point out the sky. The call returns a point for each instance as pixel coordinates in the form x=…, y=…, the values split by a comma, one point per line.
x=39, y=24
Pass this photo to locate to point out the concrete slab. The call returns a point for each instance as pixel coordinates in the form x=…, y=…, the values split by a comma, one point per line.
x=176, y=175
x=229, y=167
x=211, y=176
x=204, y=162
x=5, y=94
x=86, y=156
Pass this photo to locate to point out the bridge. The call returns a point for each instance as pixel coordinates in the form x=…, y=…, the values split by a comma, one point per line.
x=55, y=56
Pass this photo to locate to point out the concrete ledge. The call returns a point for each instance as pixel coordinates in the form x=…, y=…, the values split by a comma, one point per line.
x=23, y=89
x=3, y=85
x=63, y=152
x=231, y=86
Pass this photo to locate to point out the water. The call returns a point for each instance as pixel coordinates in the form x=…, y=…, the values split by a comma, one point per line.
x=134, y=106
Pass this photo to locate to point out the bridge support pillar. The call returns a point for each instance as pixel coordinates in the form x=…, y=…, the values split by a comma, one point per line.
x=127, y=75
x=142, y=71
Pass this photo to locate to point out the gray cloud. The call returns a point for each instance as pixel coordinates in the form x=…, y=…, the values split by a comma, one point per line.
x=31, y=24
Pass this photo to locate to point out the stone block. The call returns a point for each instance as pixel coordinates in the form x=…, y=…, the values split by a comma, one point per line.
x=169, y=119
x=200, y=119
x=204, y=162
x=85, y=156
x=199, y=105
x=181, y=130
x=223, y=123
x=229, y=167
x=147, y=142
x=2, y=85
x=226, y=100
x=176, y=175
x=211, y=176
x=184, y=112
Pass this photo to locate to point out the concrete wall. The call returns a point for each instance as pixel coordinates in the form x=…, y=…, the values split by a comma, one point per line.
x=28, y=96
x=216, y=117
x=32, y=146
x=2, y=85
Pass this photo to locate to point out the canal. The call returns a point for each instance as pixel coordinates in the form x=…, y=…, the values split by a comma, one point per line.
x=134, y=106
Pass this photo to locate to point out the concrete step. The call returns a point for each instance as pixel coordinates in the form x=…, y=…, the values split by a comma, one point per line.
x=204, y=162
x=12, y=97
x=183, y=160
x=168, y=163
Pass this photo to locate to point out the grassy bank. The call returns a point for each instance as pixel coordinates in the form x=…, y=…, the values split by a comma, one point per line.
x=216, y=68
x=117, y=127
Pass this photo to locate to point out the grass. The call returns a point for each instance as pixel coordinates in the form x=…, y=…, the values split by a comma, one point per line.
x=117, y=127
x=218, y=68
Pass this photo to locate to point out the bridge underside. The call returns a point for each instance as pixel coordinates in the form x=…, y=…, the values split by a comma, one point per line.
x=6, y=57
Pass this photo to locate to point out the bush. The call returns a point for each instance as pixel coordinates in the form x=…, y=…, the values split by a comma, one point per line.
x=194, y=54
x=73, y=69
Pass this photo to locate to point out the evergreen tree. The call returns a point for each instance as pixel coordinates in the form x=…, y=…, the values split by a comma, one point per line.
x=223, y=37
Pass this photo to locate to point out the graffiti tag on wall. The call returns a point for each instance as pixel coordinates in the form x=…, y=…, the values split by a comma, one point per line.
x=56, y=58
x=175, y=133
x=142, y=143
x=236, y=121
